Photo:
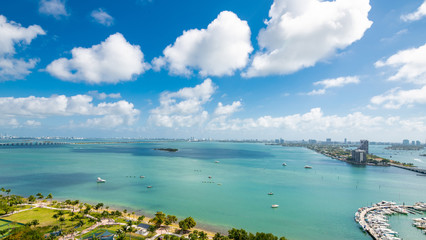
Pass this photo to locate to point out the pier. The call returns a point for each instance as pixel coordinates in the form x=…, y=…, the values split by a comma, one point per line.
x=414, y=169
x=373, y=220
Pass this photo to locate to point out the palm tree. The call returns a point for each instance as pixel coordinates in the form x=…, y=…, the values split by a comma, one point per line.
x=159, y=219
x=170, y=219
x=202, y=235
x=49, y=196
x=61, y=220
x=39, y=196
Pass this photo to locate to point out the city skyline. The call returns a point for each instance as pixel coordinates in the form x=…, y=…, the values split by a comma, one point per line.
x=217, y=69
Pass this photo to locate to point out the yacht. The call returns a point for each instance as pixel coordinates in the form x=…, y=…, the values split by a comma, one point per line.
x=100, y=180
x=308, y=167
x=142, y=176
x=270, y=193
x=149, y=187
x=284, y=164
x=216, y=162
x=275, y=206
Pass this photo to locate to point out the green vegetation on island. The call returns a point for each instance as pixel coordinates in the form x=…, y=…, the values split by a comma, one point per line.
x=341, y=153
x=405, y=147
x=167, y=149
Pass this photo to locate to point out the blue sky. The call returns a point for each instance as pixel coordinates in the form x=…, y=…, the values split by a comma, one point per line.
x=292, y=69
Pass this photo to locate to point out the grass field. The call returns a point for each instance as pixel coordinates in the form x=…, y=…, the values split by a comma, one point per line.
x=43, y=215
x=7, y=225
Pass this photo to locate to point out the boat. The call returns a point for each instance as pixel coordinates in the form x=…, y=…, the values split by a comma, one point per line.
x=100, y=180
x=270, y=193
x=216, y=162
x=142, y=176
x=275, y=206
x=284, y=164
x=308, y=167
x=210, y=176
x=149, y=187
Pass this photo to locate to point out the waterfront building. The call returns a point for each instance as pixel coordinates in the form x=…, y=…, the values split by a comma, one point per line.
x=359, y=156
x=405, y=142
x=364, y=145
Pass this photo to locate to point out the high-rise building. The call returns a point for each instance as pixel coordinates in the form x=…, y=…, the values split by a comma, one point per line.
x=359, y=156
x=328, y=140
x=405, y=142
x=413, y=142
x=312, y=141
x=345, y=141
x=418, y=143
x=364, y=146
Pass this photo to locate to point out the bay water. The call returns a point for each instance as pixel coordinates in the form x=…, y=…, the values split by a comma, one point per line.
x=317, y=203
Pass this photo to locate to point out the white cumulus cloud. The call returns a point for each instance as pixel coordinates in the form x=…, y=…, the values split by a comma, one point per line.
x=410, y=65
x=102, y=96
x=183, y=108
x=219, y=50
x=300, y=33
x=102, y=17
x=54, y=8
x=227, y=109
x=417, y=15
x=111, y=61
x=12, y=34
x=107, y=115
x=333, y=83
x=396, y=98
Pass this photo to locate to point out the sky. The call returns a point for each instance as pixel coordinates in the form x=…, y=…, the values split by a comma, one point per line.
x=222, y=69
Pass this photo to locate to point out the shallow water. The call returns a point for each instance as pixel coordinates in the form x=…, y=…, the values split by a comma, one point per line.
x=316, y=203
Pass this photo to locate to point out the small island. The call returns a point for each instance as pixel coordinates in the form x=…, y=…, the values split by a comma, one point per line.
x=167, y=149
x=405, y=147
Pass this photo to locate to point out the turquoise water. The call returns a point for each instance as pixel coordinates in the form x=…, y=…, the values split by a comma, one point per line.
x=316, y=203
x=400, y=155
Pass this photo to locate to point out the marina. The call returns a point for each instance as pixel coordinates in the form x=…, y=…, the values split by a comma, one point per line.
x=374, y=220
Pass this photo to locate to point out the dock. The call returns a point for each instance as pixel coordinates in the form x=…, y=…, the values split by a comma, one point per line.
x=414, y=169
x=373, y=220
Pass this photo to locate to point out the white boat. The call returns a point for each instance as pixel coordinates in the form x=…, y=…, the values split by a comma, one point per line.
x=100, y=180
x=308, y=167
x=216, y=162
x=149, y=187
x=270, y=193
x=142, y=176
x=275, y=206
x=284, y=164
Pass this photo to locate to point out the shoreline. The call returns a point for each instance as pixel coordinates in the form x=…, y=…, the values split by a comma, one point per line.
x=210, y=229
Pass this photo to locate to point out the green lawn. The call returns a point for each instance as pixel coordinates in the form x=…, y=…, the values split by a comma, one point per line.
x=43, y=215
x=6, y=225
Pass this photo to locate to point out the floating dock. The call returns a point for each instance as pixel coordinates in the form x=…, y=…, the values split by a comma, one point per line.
x=373, y=220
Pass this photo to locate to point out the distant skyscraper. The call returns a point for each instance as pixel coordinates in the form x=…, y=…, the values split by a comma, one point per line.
x=405, y=142
x=418, y=143
x=413, y=143
x=364, y=146
x=328, y=140
x=345, y=141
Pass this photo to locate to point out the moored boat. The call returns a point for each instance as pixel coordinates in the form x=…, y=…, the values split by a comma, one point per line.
x=308, y=167
x=275, y=206
x=100, y=180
